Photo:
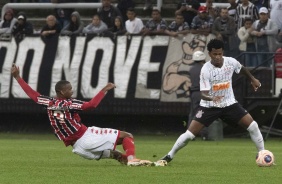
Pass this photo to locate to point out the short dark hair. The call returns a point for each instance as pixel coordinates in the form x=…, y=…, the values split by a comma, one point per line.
x=215, y=44
x=60, y=85
x=131, y=10
x=248, y=19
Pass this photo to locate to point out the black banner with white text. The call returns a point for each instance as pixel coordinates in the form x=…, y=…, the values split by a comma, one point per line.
x=151, y=73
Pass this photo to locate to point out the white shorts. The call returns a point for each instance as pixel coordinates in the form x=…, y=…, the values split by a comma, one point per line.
x=94, y=141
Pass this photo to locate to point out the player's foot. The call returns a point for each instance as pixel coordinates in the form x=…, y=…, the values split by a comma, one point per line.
x=146, y=163
x=167, y=158
x=134, y=162
x=160, y=163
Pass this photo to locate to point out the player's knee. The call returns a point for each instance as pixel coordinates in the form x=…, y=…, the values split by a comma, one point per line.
x=125, y=134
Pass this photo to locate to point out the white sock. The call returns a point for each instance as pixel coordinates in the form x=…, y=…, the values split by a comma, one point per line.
x=256, y=135
x=181, y=142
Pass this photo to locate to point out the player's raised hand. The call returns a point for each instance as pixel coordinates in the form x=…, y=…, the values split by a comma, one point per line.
x=256, y=84
x=108, y=87
x=15, y=71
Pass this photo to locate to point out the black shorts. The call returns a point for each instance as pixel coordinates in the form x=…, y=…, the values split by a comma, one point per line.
x=230, y=115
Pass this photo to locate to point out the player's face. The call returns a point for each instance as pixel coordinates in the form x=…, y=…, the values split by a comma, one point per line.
x=67, y=91
x=216, y=57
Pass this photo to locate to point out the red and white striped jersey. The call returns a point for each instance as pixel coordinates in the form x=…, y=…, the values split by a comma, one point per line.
x=218, y=81
x=63, y=115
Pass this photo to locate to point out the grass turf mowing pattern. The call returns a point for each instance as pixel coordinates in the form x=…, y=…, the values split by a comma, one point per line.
x=44, y=159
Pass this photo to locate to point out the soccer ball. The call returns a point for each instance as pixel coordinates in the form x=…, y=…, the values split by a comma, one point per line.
x=265, y=158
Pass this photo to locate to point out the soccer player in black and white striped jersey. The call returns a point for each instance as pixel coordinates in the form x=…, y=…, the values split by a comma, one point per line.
x=217, y=99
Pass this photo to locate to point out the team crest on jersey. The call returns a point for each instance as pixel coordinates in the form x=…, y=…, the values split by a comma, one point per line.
x=199, y=114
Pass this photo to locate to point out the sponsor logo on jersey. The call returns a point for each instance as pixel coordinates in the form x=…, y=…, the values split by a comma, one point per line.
x=221, y=86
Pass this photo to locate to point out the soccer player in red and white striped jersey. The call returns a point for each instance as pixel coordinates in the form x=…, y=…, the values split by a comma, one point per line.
x=218, y=99
x=88, y=142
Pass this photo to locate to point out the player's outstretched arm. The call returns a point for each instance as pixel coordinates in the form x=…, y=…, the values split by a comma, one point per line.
x=27, y=89
x=255, y=82
x=94, y=102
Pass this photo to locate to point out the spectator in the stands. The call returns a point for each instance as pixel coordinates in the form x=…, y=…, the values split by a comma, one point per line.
x=51, y=28
x=245, y=9
x=232, y=7
x=264, y=31
x=108, y=13
x=247, y=43
x=156, y=25
x=260, y=3
x=7, y=24
x=189, y=8
x=276, y=13
x=97, y=26
x=22, y=27
x=224, y=28
x=123, y=5
x=202, y=23
x=75, y=26
x=178, y=26
x=63, y=15
x=133, y=25
x=212, y=10
x=118, y=29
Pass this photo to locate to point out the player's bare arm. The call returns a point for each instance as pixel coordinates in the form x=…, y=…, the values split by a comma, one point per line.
x=206, y=96
x=255, y=82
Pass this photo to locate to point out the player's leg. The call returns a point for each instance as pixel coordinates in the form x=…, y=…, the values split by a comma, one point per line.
x=238, y=114
x=248, y=123
x=204, y=117
x=127, y=141
x=98, y=143
x=194, y=128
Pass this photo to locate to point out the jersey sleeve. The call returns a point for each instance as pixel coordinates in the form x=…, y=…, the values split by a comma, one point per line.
x=28, y=90
x=237, y=65
x=94, y=102
x=204, y=79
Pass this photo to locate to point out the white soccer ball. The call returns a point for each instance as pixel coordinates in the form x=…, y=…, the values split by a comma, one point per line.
x=265, y=158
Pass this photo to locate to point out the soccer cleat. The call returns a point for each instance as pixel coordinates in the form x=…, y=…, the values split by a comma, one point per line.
x=167, y=158
x=160, y=163
x=146, y=163
x=134, y=162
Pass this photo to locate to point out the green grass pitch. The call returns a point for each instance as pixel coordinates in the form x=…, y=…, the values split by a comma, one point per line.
x=30, y=158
